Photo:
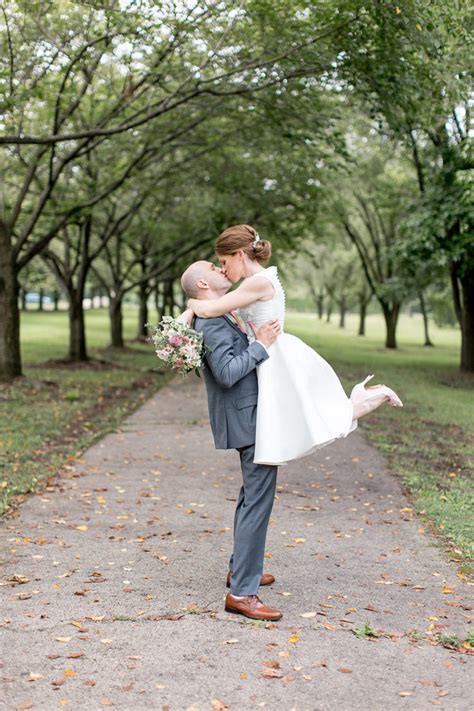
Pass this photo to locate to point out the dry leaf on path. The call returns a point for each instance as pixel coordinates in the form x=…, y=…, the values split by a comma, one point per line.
x=271, y=673
x=218, y=705
x=345, y=670
x=272, y=663
x=308, y=614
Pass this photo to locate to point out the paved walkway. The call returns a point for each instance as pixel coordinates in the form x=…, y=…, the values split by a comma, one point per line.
x=113, y=583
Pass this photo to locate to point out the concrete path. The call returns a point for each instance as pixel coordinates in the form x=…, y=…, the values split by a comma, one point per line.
x=113, y=583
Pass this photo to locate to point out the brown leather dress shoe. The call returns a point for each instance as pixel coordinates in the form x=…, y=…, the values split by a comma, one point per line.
x=266, y=579
x=251, y=606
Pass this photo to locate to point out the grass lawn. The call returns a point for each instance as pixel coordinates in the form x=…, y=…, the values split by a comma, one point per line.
x=58, y=409
x=430, y=443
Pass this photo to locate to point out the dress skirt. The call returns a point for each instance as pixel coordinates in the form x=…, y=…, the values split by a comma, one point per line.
x=302, y=405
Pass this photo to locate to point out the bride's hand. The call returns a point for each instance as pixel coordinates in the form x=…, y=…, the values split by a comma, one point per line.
x=186, y=317
x=198, y=307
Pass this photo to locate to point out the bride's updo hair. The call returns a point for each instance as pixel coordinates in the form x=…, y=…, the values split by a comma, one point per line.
x=246, y=238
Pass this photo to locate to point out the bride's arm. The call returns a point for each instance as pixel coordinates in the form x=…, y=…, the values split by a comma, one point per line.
x=186, y=317
x=249, y=291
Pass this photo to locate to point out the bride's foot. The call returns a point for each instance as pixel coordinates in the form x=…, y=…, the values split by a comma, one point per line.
x=367, y=400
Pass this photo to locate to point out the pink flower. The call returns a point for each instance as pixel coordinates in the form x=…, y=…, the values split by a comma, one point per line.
x=179, y=362
x=175, y=341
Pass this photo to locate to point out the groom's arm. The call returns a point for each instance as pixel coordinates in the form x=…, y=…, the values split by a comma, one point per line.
x=228, y=368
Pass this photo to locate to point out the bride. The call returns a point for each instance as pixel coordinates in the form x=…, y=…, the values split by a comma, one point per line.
x=302, y=405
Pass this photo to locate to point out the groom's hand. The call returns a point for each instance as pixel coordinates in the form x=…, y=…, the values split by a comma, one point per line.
x=268, y=333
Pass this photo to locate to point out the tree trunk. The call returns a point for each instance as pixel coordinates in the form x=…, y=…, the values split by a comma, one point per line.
x=23, y=299
x=328, y=312
x=362, y=315
x=342, y=312
x=77, y=331
x=421, y=298
x=169, y=303
x=467, y=322
x=453, y=272
x=41, y=299
x=159, y=304
x=116, y=322
x=320, y=305
x=10, y=355
x=143, y=294
x=56, y=300
x=391, y=314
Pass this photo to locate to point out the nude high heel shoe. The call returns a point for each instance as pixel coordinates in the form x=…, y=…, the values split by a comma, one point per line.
x=366, y=400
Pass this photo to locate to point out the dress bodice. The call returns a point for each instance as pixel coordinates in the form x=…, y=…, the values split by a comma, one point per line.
x=262, y=311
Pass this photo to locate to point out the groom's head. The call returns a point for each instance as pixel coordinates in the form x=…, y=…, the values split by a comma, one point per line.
x=203, y=280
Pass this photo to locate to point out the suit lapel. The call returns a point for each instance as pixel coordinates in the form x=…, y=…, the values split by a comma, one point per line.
x=235, y=327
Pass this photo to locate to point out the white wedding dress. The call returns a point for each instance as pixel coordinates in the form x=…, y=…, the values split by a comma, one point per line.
x=302, y=405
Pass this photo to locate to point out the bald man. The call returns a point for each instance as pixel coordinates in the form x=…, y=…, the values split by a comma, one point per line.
x=232, y=392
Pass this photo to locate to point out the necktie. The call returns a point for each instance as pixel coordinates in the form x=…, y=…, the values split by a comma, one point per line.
x=236, y=318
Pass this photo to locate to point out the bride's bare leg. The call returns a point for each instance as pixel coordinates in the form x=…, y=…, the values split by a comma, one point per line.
x=361, y=409
x=366, y=400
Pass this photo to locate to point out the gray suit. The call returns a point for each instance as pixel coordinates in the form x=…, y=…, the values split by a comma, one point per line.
x=232, y=392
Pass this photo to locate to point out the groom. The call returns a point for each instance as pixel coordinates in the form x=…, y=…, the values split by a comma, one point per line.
x=232, y=391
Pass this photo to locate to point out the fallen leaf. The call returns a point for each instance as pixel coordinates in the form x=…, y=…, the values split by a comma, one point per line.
x=34, y=676
x=25, y=705
x=63, y=639
x=345, y=670
x=218, y=705
x=293, y=639
x=69, y=672
x=272, y=663
x=90, y=682
x=405, y=693
x=447, y=590
x=271, y=673
x=82, y=527
x=75, y=655
x=231, y=641
x=105, y=701
x=324, y=604
x=310, y=614
x=18, y=579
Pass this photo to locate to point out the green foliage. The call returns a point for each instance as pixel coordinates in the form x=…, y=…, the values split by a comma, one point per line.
x=365, y=631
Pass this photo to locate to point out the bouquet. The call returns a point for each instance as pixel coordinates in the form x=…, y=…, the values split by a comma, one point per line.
x=178, y=345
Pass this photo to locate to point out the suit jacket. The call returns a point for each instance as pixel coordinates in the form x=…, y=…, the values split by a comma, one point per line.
x=231, y=381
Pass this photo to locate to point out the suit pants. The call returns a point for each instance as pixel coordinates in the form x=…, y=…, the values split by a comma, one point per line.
x=252, y=514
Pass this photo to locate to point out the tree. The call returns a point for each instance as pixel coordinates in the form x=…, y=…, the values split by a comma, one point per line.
x=78, y=76
x=408, y=67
